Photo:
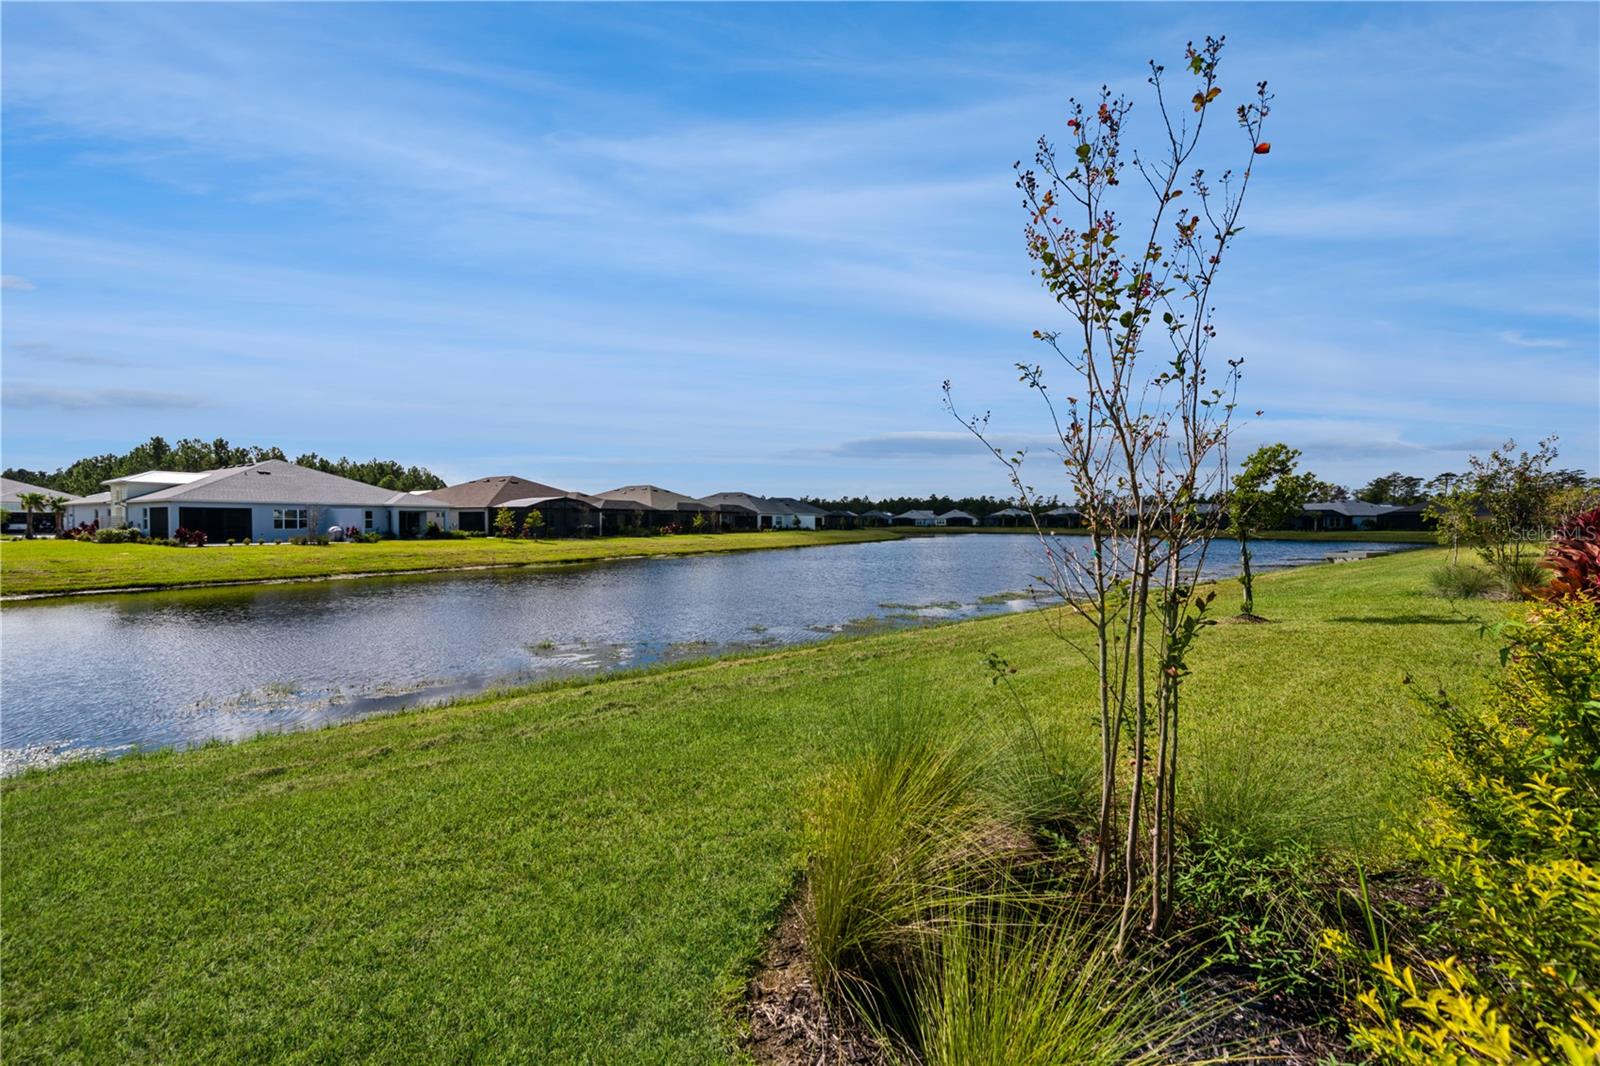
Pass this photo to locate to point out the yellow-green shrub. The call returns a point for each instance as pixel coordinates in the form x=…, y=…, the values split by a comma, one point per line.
x=1512, y=835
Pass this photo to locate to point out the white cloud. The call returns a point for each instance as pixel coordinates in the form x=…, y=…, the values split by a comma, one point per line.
x=16, y=283
x=1518, y=340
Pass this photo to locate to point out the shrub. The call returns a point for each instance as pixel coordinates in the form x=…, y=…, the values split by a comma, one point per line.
x=1520, y=577
x=1573, y=558
x=433, y=532
x=125, y=535
x=1511, y=832
x=1459, y=581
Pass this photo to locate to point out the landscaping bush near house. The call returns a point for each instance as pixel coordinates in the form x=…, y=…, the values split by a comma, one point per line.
x=1461, y=581
x=126, y=535
x=1511, y=833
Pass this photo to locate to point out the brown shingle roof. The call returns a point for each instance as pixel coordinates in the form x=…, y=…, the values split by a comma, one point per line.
x=491, y=491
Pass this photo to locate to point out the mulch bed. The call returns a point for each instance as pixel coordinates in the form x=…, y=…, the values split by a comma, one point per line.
x=788, y=1023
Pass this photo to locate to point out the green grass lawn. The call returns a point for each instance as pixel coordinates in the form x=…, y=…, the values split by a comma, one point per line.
x=32, y=567
x=586, y=872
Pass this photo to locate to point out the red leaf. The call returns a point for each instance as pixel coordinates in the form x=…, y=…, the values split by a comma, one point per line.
x=1263, y=148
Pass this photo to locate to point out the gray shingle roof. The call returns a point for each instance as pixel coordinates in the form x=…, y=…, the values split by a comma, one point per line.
x=277, y=481
x=747, y=501
x=798, y=506
x=11, y=489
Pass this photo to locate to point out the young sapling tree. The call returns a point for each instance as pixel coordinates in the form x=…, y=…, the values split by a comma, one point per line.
x=1267, y=492
x=1140, y=430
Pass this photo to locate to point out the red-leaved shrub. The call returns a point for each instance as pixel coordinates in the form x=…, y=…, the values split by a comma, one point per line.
x=1573, y=557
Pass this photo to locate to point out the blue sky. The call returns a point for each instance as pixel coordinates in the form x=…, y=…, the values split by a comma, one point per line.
x=738, y=248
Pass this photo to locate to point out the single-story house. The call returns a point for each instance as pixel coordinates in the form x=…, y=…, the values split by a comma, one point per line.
x=571, y=514
x=1340, y=514
x=566, y=513
x=44, y=520
x=918, y=518
x=1064, y=517
x=841, y=520
x=650, y=507
x=747, y=511
x=876, y=518
x=271, y=500
x=1009, y=516
x=958, y=518
x=91, y=510
x=1412, y=517
x=806, y=515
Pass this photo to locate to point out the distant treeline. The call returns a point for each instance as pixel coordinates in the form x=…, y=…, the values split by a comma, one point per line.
x=1397, y=489
x=191, y=455
x=976, y=505
x=1403, y=490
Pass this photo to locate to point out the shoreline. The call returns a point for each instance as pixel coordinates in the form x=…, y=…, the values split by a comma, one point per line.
x=509, y=686
x=864, y=536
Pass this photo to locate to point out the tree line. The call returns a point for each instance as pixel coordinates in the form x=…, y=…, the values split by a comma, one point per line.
x=975, y=505
x=192, y=455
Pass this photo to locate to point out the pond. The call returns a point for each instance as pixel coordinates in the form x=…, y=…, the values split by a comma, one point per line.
x=105, y=675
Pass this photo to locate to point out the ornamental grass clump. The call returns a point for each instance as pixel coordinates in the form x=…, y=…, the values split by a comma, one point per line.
x=1042, y=989
x=883, y=834
x=1461, y=581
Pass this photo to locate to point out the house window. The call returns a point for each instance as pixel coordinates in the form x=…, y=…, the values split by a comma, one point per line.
x=368, y=521
x=289, y=517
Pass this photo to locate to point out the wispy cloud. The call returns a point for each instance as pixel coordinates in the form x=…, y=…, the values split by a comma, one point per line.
x=70, y=399
x=45, y=352
x=16, y=283
x=1516, y=339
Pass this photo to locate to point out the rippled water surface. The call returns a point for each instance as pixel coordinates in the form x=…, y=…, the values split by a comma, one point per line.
x=107, y=674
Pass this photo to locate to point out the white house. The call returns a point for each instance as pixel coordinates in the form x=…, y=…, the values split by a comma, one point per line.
x=918, y=518
x=806, y=516
x=957, y=518
x=272, y=500
x=44, y=521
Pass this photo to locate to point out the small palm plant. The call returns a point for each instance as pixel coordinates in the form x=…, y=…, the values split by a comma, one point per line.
x=31, y=502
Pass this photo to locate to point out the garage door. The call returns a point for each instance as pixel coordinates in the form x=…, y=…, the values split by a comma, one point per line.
x=217, y=523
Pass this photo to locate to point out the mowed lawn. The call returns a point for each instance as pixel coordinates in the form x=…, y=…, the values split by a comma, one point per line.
x=32, y=567
x=586, y=873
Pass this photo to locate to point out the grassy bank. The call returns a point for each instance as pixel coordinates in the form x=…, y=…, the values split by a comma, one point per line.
x=585, y=873
x=33, y=567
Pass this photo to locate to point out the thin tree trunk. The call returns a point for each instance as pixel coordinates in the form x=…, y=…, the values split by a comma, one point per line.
x=1249, y=607
x=1137, y=605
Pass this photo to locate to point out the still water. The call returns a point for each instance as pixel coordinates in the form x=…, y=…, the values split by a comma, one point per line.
x=105, y=675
